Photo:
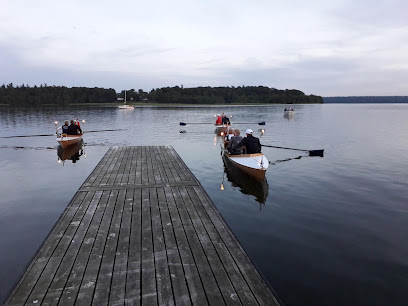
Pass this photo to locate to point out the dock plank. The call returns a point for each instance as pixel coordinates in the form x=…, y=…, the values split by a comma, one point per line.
x=141, y=230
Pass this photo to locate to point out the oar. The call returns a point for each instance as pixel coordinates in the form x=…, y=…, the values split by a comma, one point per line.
x=19, y=136
x=259, y=123
x=311, y=152
x=185, y=123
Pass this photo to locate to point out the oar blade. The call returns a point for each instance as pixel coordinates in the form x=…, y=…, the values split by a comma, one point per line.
x=262, y=123
x=182, y=123
x=316, y=153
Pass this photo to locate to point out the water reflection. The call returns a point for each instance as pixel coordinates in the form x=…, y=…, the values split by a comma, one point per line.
x=73, y=152
x=246, y=183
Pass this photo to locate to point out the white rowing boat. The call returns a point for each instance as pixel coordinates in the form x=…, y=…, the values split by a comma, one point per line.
x=68, y=140
x=254, y=165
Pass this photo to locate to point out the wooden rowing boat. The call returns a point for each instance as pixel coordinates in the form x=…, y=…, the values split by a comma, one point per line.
x=254, y=165
x=221, y=127
x=68, y=140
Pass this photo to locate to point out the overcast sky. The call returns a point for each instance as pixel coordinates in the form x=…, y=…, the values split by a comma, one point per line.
x=327, y=48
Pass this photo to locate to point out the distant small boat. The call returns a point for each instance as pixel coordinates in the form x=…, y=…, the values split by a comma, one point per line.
x=126, y=106
x=288, y=112
x=254, y=165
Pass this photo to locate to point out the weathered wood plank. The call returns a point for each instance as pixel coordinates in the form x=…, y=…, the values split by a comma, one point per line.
x=145, y=177
x=164, y=289
x=118, y=285
x=149, y=289
x=133, y=284
x=138, y=173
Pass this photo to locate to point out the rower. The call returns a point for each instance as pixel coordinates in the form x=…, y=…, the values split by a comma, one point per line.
x=64, y=128
x=252, y=143
x=74, y=129
x=219, y=120
x=236, y=139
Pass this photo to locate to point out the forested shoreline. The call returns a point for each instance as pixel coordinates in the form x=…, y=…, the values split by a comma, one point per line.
x=25, y=95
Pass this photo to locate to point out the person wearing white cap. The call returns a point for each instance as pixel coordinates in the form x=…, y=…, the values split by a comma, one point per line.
x=252, y=143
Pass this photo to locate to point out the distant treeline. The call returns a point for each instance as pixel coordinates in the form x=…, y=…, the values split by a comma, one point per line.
x=367, y=99
x=230, y=95
x=25, y=95
x=36, y=96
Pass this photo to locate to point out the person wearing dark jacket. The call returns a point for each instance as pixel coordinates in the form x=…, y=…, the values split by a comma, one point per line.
x=225, y=119
x=236, y=139
x=74, y=129
x=252, y=143
x=64, y=128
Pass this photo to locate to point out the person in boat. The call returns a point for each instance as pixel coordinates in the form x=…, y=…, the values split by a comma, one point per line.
x=229, y=133
x=219, y=120
x=64, y=128
x=235, y=140
x=225, y=119
x=252, y=143
x=74, y=129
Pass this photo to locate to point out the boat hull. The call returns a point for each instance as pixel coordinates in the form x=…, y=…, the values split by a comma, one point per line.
x=221, y=127
x=254, y=165
x=126, y=107
x=69, y=140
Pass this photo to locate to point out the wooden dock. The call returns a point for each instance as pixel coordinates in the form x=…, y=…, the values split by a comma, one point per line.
x=141, y=230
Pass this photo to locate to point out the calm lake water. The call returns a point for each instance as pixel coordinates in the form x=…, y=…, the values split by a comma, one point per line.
x=322, y=231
